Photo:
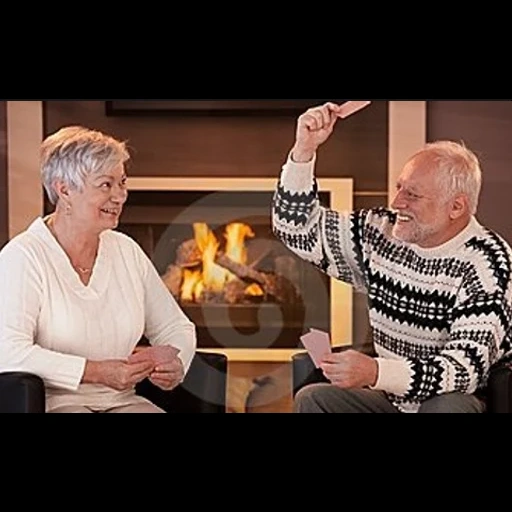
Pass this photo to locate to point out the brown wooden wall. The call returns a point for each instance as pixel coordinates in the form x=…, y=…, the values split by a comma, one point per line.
x=485, y=127
x=252, y=146
x=4, y=203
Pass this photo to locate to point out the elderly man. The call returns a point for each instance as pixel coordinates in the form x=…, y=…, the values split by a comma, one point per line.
x=438, y=283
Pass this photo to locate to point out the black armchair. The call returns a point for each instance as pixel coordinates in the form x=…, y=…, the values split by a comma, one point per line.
x=202, y=391
x=499, y=391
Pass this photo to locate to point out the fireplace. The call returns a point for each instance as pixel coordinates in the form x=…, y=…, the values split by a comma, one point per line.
x=211, y=242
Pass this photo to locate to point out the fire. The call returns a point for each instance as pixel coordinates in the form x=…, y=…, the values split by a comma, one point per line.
x=212, y=278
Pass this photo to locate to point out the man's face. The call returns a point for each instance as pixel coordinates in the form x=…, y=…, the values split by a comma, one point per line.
x=422, y=206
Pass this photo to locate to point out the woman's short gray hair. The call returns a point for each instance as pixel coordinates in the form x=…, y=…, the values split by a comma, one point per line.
x=72, y=153
x=458, y=170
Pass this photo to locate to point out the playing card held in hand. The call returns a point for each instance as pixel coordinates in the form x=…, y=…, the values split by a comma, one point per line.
x=318, y=345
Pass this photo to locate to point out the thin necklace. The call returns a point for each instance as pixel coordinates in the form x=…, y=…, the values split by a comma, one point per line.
x=80, y=269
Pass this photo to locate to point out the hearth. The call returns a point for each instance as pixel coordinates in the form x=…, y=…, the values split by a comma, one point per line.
x=212, y=244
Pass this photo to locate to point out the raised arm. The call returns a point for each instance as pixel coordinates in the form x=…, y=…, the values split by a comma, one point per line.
x=332, y=241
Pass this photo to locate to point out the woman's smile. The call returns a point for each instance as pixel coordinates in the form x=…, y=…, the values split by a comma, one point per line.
x=116, y=212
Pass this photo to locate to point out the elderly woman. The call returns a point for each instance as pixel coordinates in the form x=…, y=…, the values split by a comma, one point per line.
x=76, y=296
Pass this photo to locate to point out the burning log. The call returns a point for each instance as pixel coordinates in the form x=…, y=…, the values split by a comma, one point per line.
x=275, y=286
x=172, y=279
x=200, y=271
x=281, y=289
x=234, y=292
x=188, y=254
x=244, y=272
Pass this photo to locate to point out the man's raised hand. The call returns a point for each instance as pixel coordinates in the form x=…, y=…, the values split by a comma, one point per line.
x=314, y=127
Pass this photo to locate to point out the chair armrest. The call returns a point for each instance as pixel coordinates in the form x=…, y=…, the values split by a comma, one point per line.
x=21, y=392
x=304, y=372
x=499, y=389
x=202, y=391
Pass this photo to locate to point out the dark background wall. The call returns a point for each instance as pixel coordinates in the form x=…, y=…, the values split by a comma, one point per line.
x=485, y=127
x=249, y=146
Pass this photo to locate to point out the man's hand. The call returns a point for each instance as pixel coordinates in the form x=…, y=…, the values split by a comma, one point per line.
x=350, y=369
x=115, y=374
x=168, y=371
x=314, y=127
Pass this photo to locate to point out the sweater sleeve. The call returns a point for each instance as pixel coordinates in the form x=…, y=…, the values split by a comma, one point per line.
x=329, y=240
x=165, y=321
x=21, y=295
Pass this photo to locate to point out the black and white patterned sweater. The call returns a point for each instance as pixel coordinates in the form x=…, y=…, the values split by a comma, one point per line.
x=440, y=317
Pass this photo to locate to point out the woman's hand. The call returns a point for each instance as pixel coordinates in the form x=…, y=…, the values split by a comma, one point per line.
x=116, y=374
x=168, y=371
x=168, y=376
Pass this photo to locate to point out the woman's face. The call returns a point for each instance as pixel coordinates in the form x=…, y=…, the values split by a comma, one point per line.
x=99, y=205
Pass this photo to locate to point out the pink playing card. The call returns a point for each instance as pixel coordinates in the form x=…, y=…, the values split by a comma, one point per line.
x=318, y=345
x=351, y=107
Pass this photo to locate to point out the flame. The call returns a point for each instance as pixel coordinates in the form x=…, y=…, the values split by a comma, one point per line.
x=236, y=250
x=191, y=281
x=212, y=277
x=254, y=290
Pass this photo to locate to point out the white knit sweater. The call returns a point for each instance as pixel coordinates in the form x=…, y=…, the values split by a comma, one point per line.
x=51, y=323
x=440, y=317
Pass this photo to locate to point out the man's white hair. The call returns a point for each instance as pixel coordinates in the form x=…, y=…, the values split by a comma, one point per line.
x=458, y=170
